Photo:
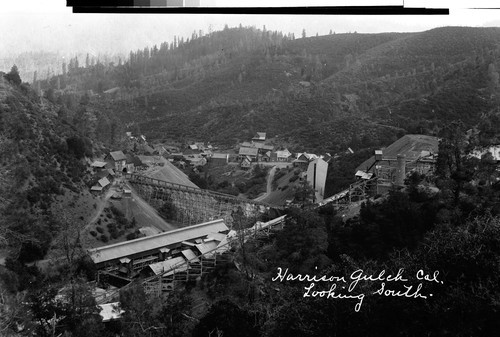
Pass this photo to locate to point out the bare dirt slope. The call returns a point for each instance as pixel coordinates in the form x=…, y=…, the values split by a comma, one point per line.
x=144, y=214
x=167, y=172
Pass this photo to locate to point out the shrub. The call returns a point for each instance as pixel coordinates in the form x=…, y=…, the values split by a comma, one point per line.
x=99, y=229
x=93, y=233
x=116, y=211
x=131, y=236
x=104, y=238
x=293, y=178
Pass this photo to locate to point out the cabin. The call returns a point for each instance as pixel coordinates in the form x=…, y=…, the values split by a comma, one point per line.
x=283, y=155
x=259, y=137
x=101, y=185
x=246, y=163
x=219, y=159
x=266, y=156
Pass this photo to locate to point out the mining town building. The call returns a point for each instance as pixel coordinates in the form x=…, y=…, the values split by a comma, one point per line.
x=126, y=259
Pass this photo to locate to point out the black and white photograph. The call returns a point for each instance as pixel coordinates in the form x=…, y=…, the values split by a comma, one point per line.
x=215, y=168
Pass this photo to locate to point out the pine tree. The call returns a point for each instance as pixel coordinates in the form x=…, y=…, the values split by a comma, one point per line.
x=13, y=76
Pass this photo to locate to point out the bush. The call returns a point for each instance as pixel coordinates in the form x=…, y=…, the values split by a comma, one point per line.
x=99, y=229
x=113, y=231
x=131, y=236
x=116, y=211
x=93, y=233
x=104, y=238
x=293, y=178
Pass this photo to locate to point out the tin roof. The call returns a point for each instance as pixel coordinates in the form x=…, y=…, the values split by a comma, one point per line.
x=128, y=248
x=98, y=163
x=118, y=155
x=248, y=151
x=411, y=146
x=179, y=263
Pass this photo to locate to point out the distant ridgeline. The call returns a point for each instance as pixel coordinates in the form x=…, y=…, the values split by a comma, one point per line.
x=226, y=85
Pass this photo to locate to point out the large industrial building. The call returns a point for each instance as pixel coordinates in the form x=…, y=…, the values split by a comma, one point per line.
x=391, y=165
x=125, y=260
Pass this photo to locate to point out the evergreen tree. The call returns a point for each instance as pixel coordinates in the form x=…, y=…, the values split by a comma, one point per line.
x=13, y=76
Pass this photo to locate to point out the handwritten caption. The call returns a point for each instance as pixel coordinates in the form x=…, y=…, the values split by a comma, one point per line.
x=389, y=285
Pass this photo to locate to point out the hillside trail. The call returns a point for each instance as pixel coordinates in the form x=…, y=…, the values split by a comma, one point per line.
x=270, y=178
x=134, y=204
x=102, y=202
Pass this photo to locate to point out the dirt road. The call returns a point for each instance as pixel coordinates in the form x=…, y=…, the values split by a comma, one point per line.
x=270, y=178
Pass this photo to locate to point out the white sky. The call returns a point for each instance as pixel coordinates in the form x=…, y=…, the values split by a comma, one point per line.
x=49, y=25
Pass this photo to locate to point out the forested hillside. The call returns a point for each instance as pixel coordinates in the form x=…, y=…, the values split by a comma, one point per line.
x=42, y=160
x=319, y=93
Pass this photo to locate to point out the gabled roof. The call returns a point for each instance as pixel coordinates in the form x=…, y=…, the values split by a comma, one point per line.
x=118, y=155
x=283, y=154
x=260, y=136
x=308, y=156
x=99, y=164
x=327, y=158
x=127, y=248
x=248, y=151
x=104, y=182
